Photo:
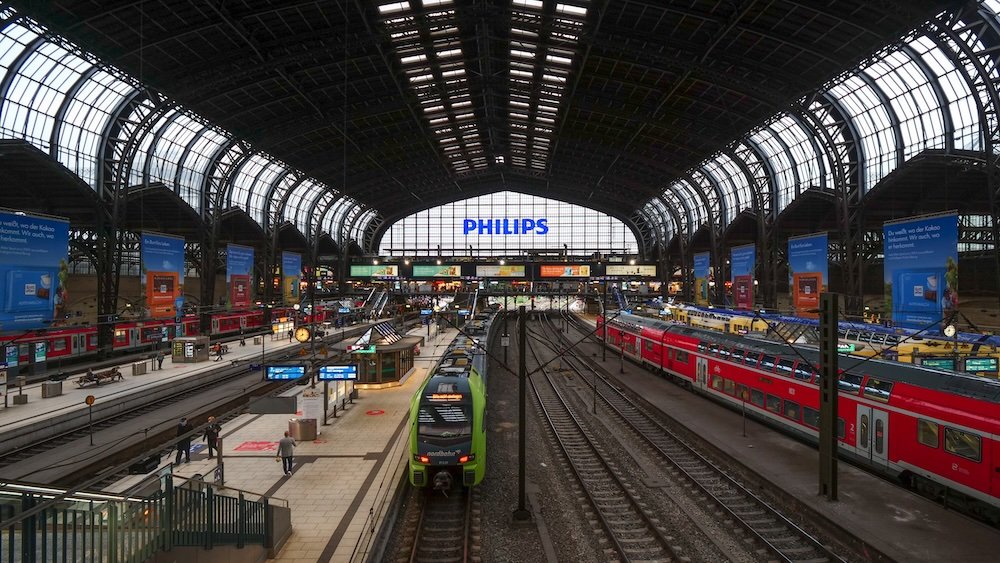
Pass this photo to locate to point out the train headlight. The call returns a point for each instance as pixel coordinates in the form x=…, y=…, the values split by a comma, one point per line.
x=467, y=458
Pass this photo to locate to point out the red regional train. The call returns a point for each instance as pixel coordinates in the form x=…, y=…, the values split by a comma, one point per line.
x=78, y=341
x=934, y=430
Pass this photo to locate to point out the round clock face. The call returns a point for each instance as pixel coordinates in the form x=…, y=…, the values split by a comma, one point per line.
x=302, y=334
x=949, y=331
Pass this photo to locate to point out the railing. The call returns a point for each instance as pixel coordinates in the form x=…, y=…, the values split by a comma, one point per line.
x=44, y=524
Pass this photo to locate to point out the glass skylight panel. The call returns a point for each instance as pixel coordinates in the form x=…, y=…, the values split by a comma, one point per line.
x=534, y=4
x=393, y=7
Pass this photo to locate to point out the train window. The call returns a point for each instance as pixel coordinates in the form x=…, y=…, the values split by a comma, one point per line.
x=742, y=392
x=648, y=345
x=58, y=345
x=841, y=428
x=810, y=417
x=842, y=333
x=878, y=339
x=785, y=367
x=717, y=382
x=713, y=349
x=850, y=383
x=851, y=335
x=682, y=356
x=803, y=371
x=927, y=433
x=962, y=444
x=792, y=410
x=702, y=346
x=723, y=353
x=878, y=390
x=757, y=397
x=891, y=339
x=730, y=387
x=751, y=359
x=737, y=355
x=863, y=439
x=773, y=403
x=767, y=362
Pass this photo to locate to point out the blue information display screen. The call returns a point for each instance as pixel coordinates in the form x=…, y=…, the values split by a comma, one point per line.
x=280, y=373
x=338, y=373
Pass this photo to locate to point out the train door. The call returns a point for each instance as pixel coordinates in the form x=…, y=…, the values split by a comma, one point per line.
x=701, y=368
x=873, y=434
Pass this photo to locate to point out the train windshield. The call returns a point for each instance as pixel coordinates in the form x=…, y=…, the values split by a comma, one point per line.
x=445, y=421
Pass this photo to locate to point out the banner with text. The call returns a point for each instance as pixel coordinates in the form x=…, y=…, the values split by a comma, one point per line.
x=565, y=271
x=162, y=275
x=638, y=270
x=505, y=271
x=432, y=271
x=373, y=271
x=921, y=269
x=702, y=273
x=808, y=271
x=239, y=275
x=742, y=261
x=33, y=270
x=291, y=275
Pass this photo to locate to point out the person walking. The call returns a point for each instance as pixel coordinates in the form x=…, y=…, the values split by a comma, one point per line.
x=159, y=360
x=212, y=436
x=184, y=444
x=286, y=448
x=291, y=333
x=243, y=340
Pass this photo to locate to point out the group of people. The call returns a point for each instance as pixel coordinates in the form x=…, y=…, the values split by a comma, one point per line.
x=286, y=446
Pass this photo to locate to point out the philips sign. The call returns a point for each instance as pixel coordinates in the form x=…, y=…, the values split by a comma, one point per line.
x=505, y=226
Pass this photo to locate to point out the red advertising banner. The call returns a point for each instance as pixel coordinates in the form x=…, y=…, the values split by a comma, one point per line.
x=239, y=290
x=565, y=271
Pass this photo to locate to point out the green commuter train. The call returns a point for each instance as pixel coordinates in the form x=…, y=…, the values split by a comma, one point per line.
x=447, y=414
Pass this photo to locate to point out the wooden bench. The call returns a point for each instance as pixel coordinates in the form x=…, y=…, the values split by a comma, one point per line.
x=100, y=377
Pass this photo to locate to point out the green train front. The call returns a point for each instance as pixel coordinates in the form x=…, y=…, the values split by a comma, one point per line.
x=447, y=434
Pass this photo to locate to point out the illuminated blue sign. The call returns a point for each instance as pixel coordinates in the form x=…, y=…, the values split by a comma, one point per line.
x=338, y=373
x=343, y=310
x=505, y=226
x=426, y=311
x=278, y=373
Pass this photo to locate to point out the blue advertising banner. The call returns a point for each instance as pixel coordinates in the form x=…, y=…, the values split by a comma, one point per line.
x=162, y=275
x=291, y=274
x=239, y=274
x=33, y=270
x=702, y=273
x=742, y=261
x=921, y=269
x=808, y=272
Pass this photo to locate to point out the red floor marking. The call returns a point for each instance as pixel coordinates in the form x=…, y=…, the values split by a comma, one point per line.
x=256, y=447
x=375, y=412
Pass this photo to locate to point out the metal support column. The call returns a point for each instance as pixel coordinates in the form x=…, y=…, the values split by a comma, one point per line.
x=521, y=514
x=828, y=316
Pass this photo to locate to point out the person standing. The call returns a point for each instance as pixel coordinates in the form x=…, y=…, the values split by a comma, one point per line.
x=291, y=333
x=159, y=360
x=243, y=339
x=184, y=444
x=212, y=436
x=286, y=448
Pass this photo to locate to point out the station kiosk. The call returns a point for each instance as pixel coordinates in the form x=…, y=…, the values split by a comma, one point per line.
x=190, y=349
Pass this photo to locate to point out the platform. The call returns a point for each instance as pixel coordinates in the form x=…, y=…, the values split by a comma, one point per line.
x=341, y=481
x=897, y=522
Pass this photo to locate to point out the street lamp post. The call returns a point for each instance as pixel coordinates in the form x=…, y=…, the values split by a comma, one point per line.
x=604, y=325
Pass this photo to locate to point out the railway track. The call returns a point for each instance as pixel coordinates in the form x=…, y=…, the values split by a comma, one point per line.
x=635, y=534
x=444, y=527
x=779, y=535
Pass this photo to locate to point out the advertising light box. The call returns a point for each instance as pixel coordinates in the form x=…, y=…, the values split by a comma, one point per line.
x=565, y=271
x=338, y=373
x=506, y=271
x=434, y=271
x=372, y=271
x=284, y=373
x=33, y=270
x=639, y=270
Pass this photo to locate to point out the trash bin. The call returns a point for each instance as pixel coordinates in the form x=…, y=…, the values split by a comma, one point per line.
x=51, y=389
x=139, y=368
x=257, y=339
x=302, y=428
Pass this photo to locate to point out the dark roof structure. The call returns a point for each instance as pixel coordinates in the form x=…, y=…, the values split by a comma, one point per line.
x=402, y=105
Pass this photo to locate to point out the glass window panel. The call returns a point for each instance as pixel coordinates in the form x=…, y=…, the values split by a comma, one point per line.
x=872, y=121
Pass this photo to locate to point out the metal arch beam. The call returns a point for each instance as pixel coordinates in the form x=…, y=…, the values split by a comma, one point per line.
x=188, y=148
x=796, y=181
x=269, y=208
x=984, y=88
x=818, y=152
x=763, y=189
x=58, y=120
x=896, y=124
x=16, y=65
x=157, y=135
x=714, y=233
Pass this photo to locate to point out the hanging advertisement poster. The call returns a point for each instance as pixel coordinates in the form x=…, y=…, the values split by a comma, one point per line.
x=808, y=271
x=742, y=261
x=564, y=271
x=921, y=269
x=162, y=275
x=433, y=271
x=239, y=272
x=637, y=270
x=33, y=270
x=702, y=273
x=291, y=274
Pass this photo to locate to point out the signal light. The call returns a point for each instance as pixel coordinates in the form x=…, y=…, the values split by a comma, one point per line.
x=467, y=458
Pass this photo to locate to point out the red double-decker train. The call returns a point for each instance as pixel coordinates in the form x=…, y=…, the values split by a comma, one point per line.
x=130, y=336
x=934, y=430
